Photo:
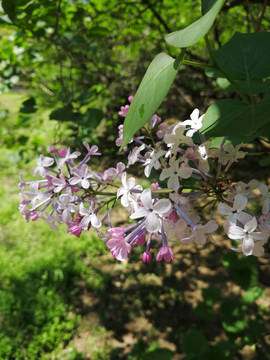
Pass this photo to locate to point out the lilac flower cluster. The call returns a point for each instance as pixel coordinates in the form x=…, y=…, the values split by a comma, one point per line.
x=190, y=174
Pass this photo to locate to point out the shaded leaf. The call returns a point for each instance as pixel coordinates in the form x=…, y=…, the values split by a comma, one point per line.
x=91, y=118
x=191, y=347
x=245, y=56
x=64, y=113
x=152, y=90
x=231, y=117
x=29, y=106
x=159, y=354
x=253, y=293
x=197, y=30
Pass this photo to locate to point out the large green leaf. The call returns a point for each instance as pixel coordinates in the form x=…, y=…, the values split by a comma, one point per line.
x=245, y=56
x=152, y=90
x=231, y=117
x=197, y=30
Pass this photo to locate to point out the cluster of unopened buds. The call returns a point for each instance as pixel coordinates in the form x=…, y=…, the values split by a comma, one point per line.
x=190, y=178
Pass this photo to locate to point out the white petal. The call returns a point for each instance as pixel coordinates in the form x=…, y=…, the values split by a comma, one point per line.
x=85, y=222
x=152, y=223
x=146, y=199
x=247, y=245
x=251, y=225
x=173, y=182
x=95, y=221
x=235, y=233
x=210, y=226
x=240, y=202
x=139, y=213
x=264, y=235
x=162, y=206
x=224, y=209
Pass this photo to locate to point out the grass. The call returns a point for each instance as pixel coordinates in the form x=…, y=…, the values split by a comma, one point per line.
x=64, y=298
x=39, y=269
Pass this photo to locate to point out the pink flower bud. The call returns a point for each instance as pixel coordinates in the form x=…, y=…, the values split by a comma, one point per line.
x=130, y=98
x=79, y=218
x=173, y=216
x=146, y=257
x=62, y=152
x=34, y=215
x=166, y=253
x=52, y=149
x=75, y=230
x=140, y=240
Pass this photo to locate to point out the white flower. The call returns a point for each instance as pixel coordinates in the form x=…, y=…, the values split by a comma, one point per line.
x=176, y=138
x=151, y=210
x=195, y=122
x=174, y=172
x=89, y=217
x=42, y=164
x=59, y=182
x=126, y=191
x=65, y=204
x=232, y=154
x=200, y=232
x=234, y=213
x=248, y=238
x=266, y=198
x=34, y=195
x=134, y=155
x=153, y=161
x=67, y=157
x=81, y=175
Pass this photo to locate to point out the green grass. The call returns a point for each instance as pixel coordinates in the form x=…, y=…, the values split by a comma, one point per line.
x=39, y=268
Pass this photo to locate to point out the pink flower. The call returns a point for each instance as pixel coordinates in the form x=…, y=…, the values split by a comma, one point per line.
x=120, y=248
x=75, y=230
x=62, y=152
x=140, y=240
x=146, y=257
x=123, y=111
x=166, y=253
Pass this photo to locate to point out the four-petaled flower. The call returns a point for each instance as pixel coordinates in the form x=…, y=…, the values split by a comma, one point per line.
x=165, y=253
x=89, y=217
x=248, y=238
x=42, y=164
x=151, y=211
x=200, y=233
x=81, y=175
x=195, y=122
x=120, y=248
x=174, y=172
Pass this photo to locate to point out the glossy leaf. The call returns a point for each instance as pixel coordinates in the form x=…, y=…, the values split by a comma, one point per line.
x=231, y=117
x=197, y=30
x=245, y=56
x=152, y=90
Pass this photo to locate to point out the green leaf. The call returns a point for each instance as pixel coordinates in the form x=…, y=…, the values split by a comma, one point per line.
x=29, y=106
x=194, y=342
x=253, y=293
x=65, y=113
x=159, y=354
x=152, y=90
x=231, y=117
x=233, y=326
x=211, y=295
x=245, y=56
x=196, y=31
x=91, y=118
x=206, y=5
x=264, y=161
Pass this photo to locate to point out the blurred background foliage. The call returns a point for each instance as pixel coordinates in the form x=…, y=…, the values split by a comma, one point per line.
x=82, y=59
x=66, y=67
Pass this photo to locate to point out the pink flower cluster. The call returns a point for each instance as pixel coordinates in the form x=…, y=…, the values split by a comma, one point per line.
x=189, y=174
